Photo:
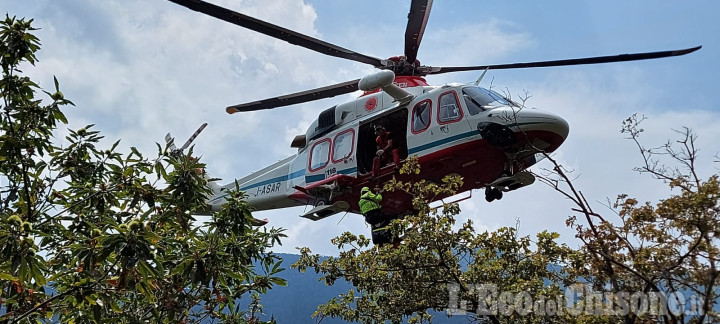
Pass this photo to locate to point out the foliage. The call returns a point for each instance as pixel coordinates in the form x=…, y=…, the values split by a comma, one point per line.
x=93, y=235
x=435, y=257
x=652, y=263
x=668, y=247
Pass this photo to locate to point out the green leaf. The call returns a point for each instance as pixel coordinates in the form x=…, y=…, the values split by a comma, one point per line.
x=90, y=300
x=182, y=267
x=278, y=281
x=146, y=270
x=160, y=169
x=135, y=151
x=112, y=149
x=115, y=308
x=36, y=272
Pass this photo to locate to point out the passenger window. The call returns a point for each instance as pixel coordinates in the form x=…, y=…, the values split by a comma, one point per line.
x=449, y=109
x=421, y=116
x=320, y=155
x=343, y=145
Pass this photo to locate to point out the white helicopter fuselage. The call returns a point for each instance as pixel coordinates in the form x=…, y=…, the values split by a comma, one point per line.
x=437, y=119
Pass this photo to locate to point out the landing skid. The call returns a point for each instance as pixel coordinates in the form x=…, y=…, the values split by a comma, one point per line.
x=325, y=191
x=323, y=211
x=495, y=189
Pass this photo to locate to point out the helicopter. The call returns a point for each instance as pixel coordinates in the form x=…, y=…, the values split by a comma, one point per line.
x=461, y=129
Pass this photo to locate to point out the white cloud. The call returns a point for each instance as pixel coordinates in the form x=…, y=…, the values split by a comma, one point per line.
x=471, y=44
x=140, y=68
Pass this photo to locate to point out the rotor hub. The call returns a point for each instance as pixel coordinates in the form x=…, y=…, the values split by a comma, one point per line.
x=402, y=67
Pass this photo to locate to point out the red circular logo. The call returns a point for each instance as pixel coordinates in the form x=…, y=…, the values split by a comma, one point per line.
x=371, y=103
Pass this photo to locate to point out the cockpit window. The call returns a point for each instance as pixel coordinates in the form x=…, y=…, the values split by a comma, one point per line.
x=479, y=99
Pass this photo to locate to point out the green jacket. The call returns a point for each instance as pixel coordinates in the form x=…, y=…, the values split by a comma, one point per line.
x=368, y=200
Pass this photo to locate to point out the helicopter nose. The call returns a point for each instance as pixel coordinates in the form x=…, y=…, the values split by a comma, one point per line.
x=544, y=126
x=510, y=125
x=556, y=124
x=533, y=119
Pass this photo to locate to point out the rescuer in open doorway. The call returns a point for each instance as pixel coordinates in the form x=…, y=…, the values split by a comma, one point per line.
x=385, y=148
x=370, y=203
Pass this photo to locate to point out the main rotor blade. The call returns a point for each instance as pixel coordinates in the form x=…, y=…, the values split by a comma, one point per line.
x=296, y=98
x=578, y=61
x=278, y=32
x=417, y=19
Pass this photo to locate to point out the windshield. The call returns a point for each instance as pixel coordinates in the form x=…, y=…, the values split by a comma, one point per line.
x=479, y=99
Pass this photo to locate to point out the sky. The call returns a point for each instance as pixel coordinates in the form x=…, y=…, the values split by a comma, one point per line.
x=141, y=68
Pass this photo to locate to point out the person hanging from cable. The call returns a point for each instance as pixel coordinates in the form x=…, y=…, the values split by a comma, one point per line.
x=370, y=205
x=385, y=148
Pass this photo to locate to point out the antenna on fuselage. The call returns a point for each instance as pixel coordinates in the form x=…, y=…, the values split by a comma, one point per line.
x=481, y=76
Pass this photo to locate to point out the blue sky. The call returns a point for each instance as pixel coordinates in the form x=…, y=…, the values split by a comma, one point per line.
x=141, y=68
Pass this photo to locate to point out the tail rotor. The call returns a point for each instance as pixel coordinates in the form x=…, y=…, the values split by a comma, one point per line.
x=170, y=141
